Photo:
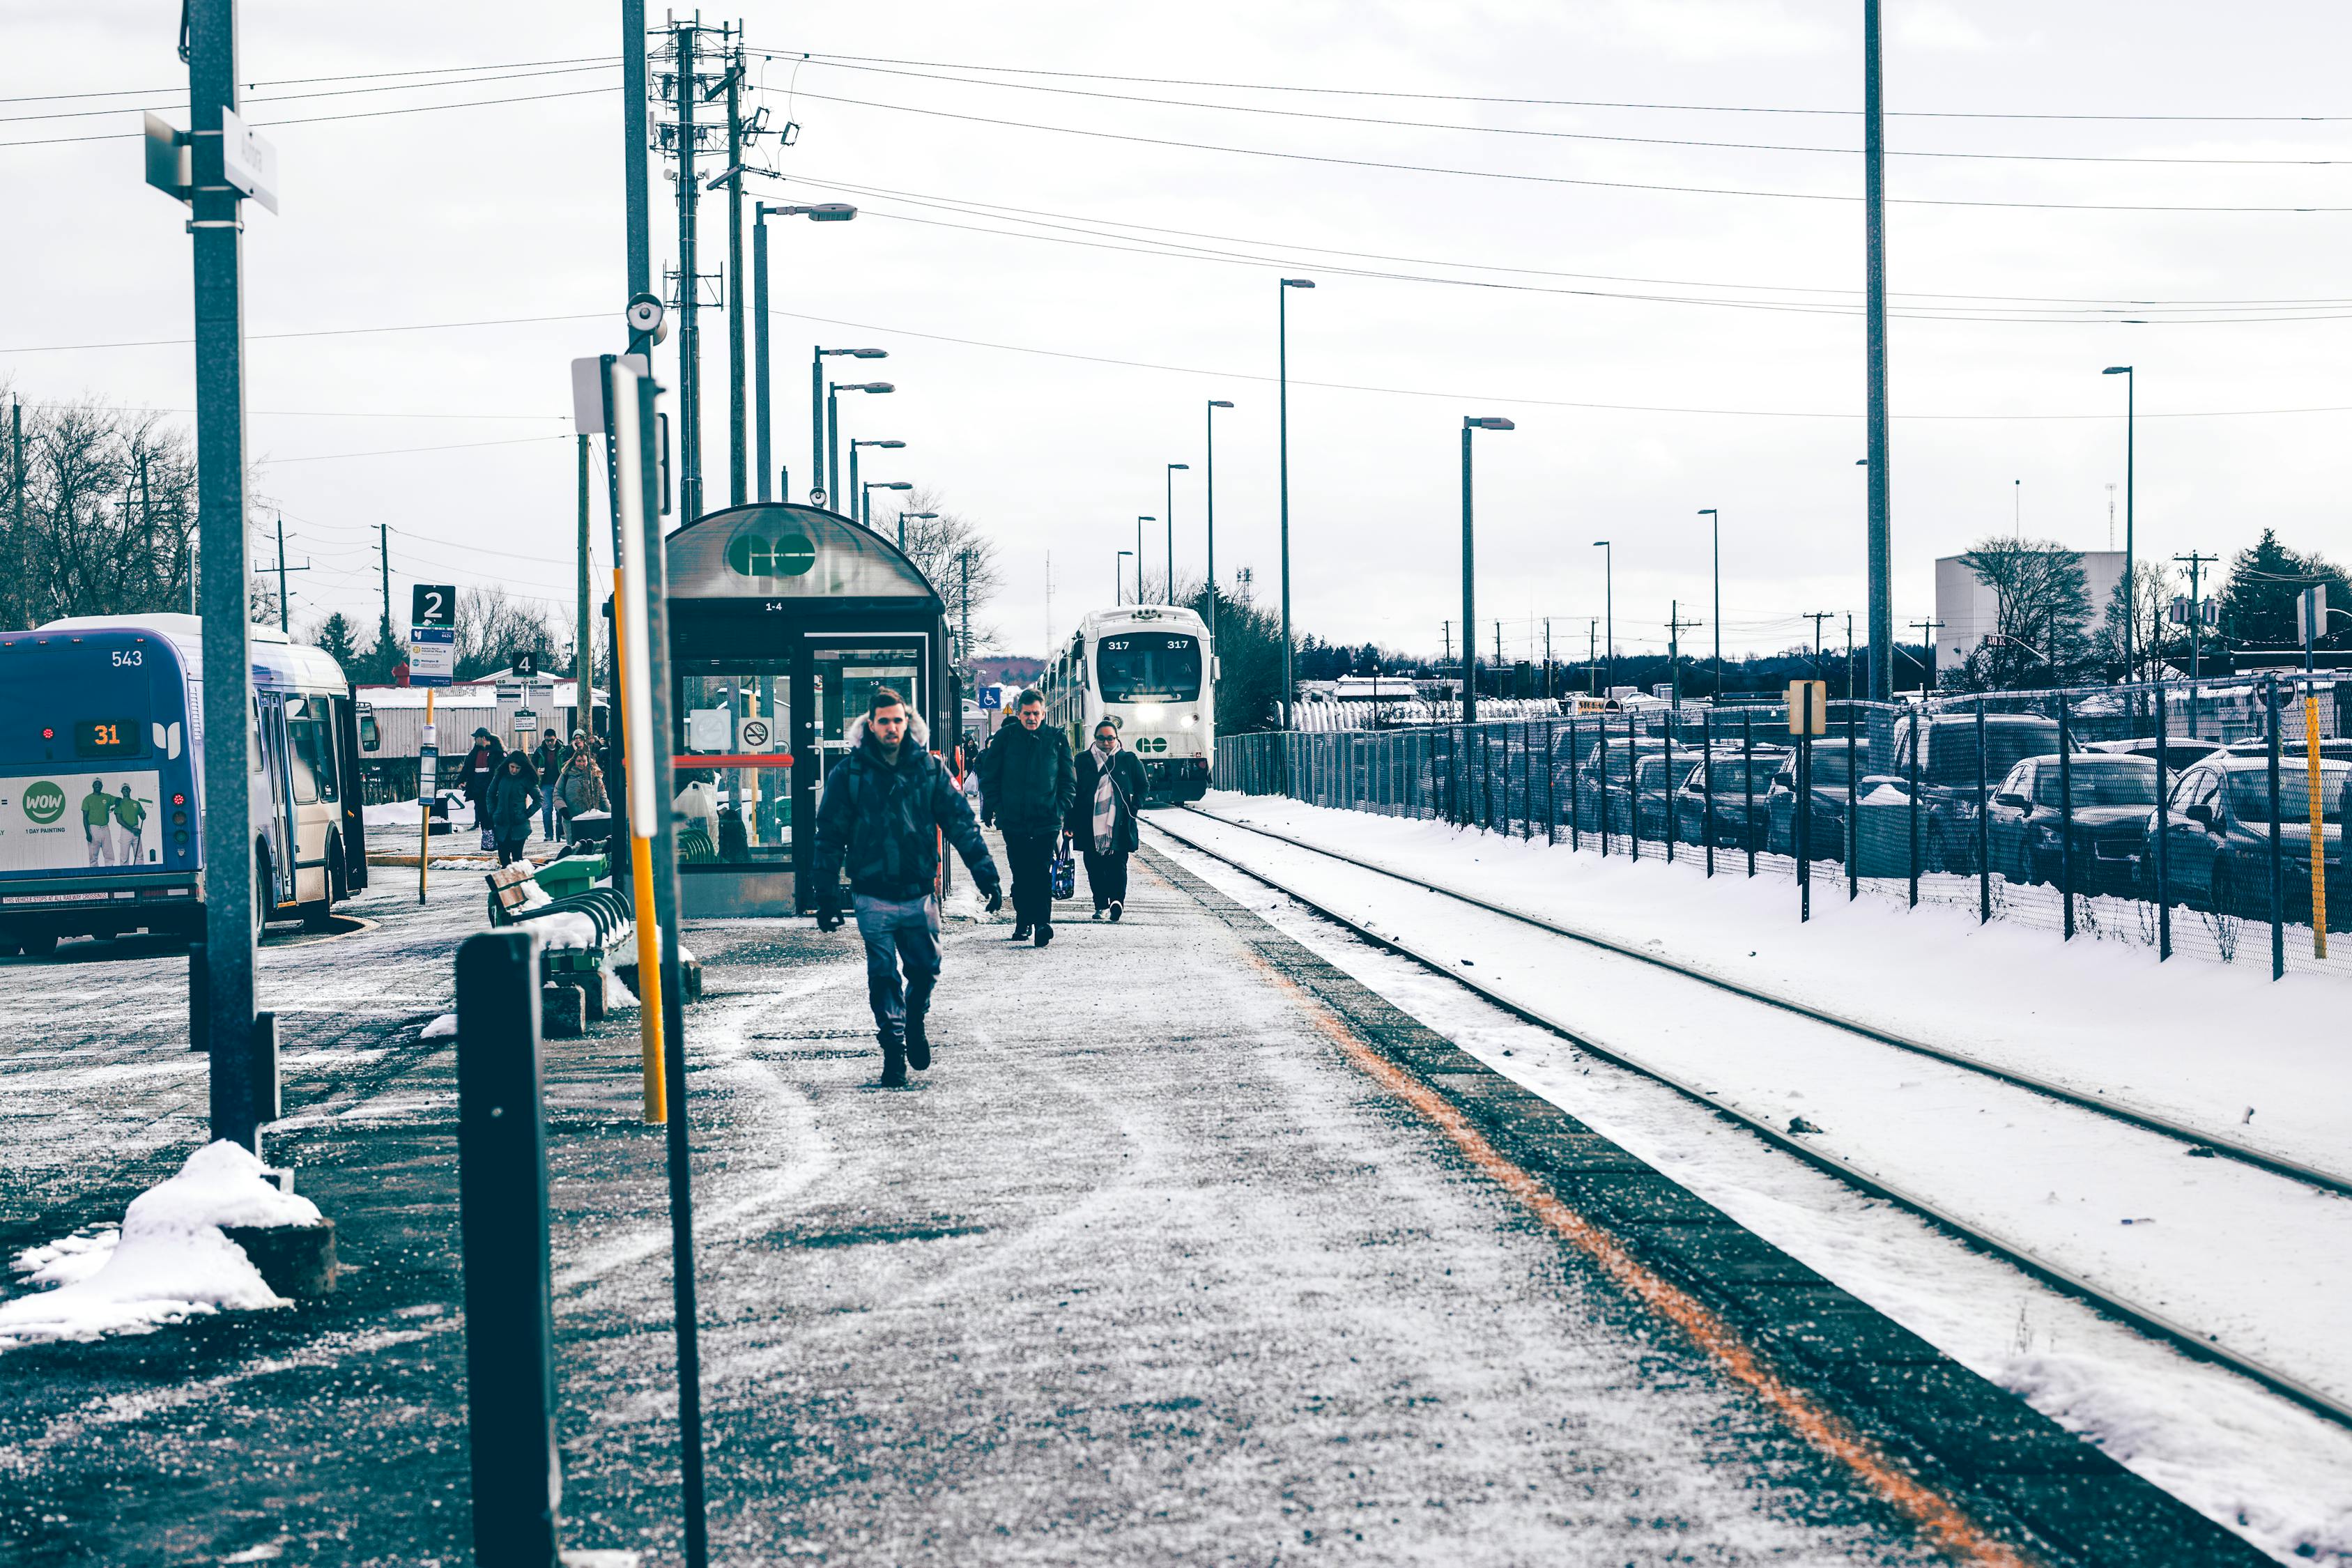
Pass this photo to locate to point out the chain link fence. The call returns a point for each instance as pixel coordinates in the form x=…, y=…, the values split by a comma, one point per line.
x=2195, y=817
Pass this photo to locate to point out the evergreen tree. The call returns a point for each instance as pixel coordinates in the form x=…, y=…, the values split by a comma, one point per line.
x=2266, y=579
x=335, y=639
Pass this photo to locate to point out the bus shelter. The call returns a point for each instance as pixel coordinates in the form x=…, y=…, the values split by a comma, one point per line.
x=782, y=621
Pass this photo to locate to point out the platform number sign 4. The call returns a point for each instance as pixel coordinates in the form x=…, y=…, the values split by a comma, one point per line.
x=526, y=667
x=433, y=605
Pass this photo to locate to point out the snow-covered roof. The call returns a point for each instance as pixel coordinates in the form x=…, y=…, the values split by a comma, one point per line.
x=469, y=694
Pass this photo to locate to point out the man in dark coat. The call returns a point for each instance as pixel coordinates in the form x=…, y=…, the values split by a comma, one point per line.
x=1110, y=791
x=1025, y=784
x=883, y=808
x=513, y=796
x=481, y=765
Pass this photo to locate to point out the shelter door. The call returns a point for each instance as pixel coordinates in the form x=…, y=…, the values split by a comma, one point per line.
x=842, y=674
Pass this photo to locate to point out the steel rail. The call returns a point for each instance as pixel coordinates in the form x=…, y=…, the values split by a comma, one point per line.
x=2276, y=1165
x=2148, y=1320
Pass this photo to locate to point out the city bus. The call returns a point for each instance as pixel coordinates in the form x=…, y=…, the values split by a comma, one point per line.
x=102, y=781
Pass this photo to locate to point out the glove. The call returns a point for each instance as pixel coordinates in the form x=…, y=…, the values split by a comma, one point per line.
x=991, y=893
x=828, y=911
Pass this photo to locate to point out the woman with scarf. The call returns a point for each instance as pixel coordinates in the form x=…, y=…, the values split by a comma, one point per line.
x=1103, y=816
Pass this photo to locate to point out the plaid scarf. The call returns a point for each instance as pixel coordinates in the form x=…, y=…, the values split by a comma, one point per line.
x=1105, y=801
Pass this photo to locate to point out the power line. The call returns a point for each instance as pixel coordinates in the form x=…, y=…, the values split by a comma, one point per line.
x=400, y=451
x=820, y=57
x=305, y=80
x=1572, y=135
x=324, y=119
x=1398, y=166
x=307, y=413
x=294, y=97
x=315, y=333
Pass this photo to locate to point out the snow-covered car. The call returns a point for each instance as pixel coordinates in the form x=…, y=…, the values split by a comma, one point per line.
x=2218, y=838
x=2031, y=835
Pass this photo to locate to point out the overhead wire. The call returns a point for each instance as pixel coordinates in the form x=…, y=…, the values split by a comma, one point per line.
x=304, y=80
x=294, y=97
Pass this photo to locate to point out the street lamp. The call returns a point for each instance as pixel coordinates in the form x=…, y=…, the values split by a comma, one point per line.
x=1609, y=603
x=1209, y=417
x=2131, y=396
x=1469, y=574
x=902, y=532
x=832, y=437
x=1282, y=368
x=1139, y=555
x=854, y=493
x=822, y=477
x=1714, y=523
x=1118, y=579
x=866, y=499
x=818, y=212
x=1172, y=528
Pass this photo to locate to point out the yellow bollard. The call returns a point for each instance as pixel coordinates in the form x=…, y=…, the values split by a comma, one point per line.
x=641, y=883
x=2318, y=827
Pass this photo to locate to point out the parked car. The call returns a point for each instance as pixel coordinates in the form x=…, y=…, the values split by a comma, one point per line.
x=2291, y=743
x=1723, y=818
x=1596, y=784
x=2180, y=751
x=1830, y=775
x=2218, y=838
x=2027, y=826
x=1947, y=774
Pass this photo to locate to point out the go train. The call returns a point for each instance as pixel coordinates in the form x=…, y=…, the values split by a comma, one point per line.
x=1151, y=669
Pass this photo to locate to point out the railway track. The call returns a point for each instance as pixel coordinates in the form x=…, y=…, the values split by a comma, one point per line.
x=2146, y=1319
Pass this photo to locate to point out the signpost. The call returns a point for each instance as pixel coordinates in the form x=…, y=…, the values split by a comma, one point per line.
x=1809, y=715
x=432, y=661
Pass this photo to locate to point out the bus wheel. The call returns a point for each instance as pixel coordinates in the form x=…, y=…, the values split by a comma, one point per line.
x=265, y=895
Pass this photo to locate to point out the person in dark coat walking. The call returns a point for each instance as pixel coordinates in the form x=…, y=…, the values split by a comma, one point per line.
x=547, y=762
x=513, y=797
x=1102, y=821
x=481, y=765
x=1025, y=784
x=884, y=810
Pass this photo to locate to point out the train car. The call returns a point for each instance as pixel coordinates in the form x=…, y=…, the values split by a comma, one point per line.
x=101, y=780
x=1149, y=667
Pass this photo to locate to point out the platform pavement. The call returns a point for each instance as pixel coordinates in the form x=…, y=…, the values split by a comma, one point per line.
x=1148, y=1268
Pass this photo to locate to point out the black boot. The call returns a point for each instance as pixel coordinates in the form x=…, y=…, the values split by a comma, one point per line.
x=1021, y=932
x=1117, y=908
x=918, y=1041
x=894, y=1060
x=1045, y=933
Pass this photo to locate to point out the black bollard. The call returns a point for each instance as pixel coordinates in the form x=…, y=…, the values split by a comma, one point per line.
x=502, y=1197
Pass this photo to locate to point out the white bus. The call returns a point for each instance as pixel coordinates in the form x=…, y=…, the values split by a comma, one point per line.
x=1149, y=668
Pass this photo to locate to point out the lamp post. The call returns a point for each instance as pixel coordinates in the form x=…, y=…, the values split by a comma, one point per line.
x=1609, y=603
x=818, y=212
x=902, y=539
x=1469, y=573
x=1209, y=418
x=1139, y=555
x=842, y=502
x=1172, y=467
x=857, y=494
x=1118, y=579
x=866, y=499
x=2131, y=597
x=1282, y=369
x=820, y=477
x=1715, y=524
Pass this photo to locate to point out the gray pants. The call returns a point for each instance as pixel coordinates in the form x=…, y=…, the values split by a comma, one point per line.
x=898, y=934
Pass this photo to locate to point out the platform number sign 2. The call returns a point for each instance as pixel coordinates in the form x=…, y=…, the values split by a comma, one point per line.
x=433, y=605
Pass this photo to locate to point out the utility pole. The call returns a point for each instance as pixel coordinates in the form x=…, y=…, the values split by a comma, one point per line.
x=1882, y=549
x=1445, y=630
x=737, y=482
x=2195, y=563
x=1592, y=656
x=1817, y=617
x=1927, y=630
x=964, y=604
x=689, y=335
x=1498, y=658
x=583, y=714
x=1675, y=627
x=284, y=620
x=1849, y=655
x=236, y=1039
x=383, y=566
x=16, y=530
x=1549, y=694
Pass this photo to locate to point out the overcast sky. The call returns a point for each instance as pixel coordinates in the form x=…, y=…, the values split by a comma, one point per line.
x=1526, y=294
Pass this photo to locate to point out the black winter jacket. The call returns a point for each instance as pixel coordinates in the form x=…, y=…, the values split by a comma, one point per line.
x=885, y=821
x=1127, y=798
x=1026, y=779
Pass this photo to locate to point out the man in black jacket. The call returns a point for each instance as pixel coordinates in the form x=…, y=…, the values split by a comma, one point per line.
x=1025, y=786
x=885, y=806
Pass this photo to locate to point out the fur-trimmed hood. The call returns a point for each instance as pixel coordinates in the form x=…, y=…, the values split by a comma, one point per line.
x=918, y=735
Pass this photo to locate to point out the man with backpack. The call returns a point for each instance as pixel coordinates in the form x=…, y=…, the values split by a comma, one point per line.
x=883, y=812
x=1026, y=784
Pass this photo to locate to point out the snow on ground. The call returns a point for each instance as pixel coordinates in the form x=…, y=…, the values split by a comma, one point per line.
x=170, y=1259
x=2261, y=1264
x=441, y=1029
x=2273, y=1472
x=2220, y=1047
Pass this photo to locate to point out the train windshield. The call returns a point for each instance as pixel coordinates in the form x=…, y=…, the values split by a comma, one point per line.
x=1155, y=667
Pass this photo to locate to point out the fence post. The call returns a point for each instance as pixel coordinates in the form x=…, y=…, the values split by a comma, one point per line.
x=1601, y=789
x=2278, y=877
x=1984, y=828
x=502, y=1221
x=1707, y=786
x=2163, y=831
x=1665, y=790
x=1575, y=784
x=1854, y=814
x=2065, y=817
x=1804, y=821
x=1747, y=786
x=1922, y=732
x=1632, y=787
x=1552, y=783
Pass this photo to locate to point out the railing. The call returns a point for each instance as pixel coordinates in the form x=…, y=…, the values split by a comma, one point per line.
x=2055, y=808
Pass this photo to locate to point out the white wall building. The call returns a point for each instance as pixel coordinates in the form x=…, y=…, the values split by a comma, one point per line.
x=1970, y=610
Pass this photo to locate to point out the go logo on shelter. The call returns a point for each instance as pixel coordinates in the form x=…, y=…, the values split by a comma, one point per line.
x=792, y=555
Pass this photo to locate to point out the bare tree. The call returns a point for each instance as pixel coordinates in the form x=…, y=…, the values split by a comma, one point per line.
x=108, y=505
x=2042, y=613
x=2147, y=604
x=493, y=626
x=956, y=558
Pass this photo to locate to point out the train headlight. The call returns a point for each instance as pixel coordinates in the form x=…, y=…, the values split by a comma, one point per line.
x=1191, y=720
x=1147, y=712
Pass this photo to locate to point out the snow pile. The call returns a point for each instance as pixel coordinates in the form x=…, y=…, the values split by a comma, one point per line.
x=616, y=994
x=441, y=1029
x=169, y=1261
x=963, y=904
x=566, y=927
x=1885, y=794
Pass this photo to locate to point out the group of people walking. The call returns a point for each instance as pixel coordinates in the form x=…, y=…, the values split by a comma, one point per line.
x=888, y=804
x=509, y=788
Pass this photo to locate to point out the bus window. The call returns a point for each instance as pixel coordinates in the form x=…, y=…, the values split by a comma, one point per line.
x=309, y=755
